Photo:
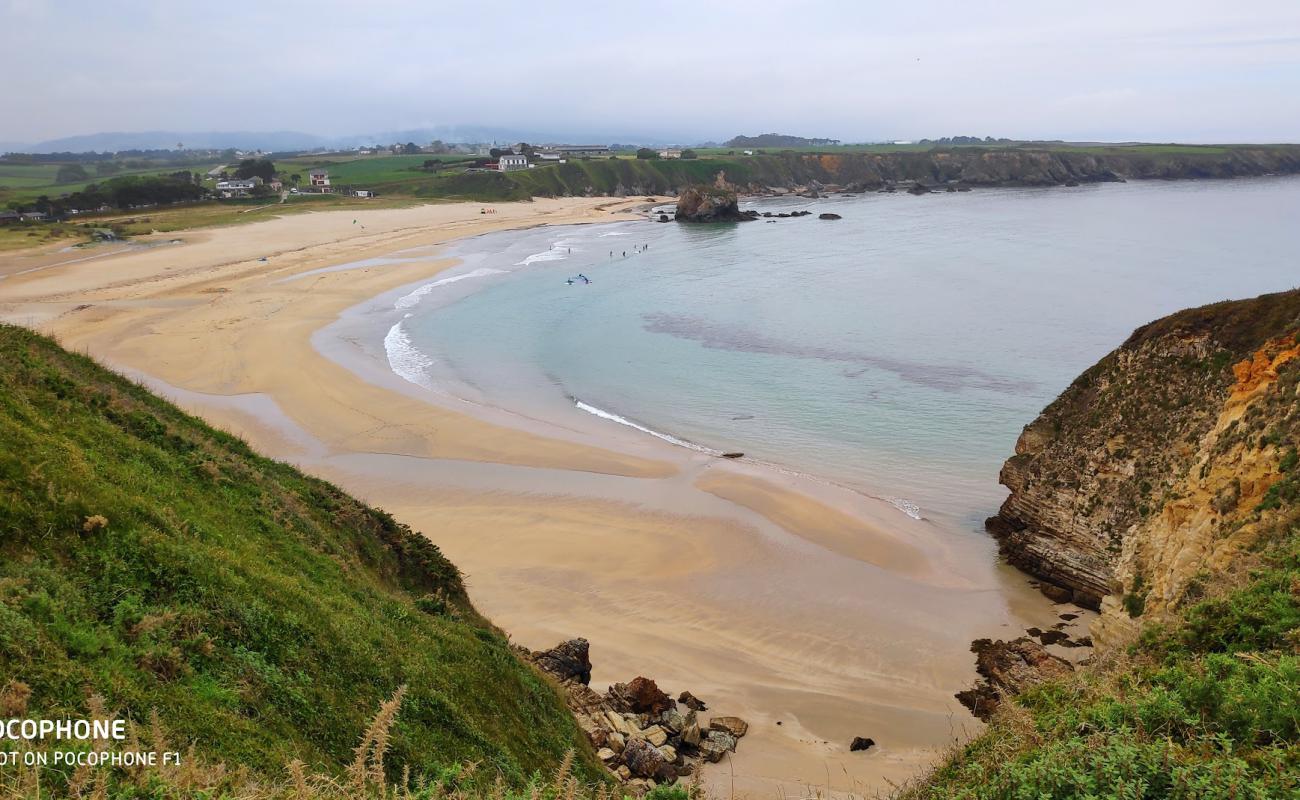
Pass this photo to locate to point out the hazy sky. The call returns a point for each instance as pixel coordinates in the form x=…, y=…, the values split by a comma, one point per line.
x=1142, y=69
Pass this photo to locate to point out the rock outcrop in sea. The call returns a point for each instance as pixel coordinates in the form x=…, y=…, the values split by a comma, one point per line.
x=1160, y=464
x=640, y=733
x=710, y=204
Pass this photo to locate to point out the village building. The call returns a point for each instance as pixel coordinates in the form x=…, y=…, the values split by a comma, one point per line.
x=237, y=187
x=580, y=150
x=670, y=152
x=319, y=180
x=510, y=162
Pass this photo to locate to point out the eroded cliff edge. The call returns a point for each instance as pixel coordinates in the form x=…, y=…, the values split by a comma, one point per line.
x=1158, y=465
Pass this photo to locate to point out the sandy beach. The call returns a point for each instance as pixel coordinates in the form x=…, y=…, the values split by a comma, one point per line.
x=816, y=613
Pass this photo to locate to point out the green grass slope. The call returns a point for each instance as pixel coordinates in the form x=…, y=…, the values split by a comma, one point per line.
x=263, y=614
x=1208, y=709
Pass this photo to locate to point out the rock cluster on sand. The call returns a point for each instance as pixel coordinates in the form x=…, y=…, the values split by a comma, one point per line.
x=1006, y=669
x=639, y=732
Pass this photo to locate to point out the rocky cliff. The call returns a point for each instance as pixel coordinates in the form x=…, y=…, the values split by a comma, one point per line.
x=955, y=167
x=1161, y=464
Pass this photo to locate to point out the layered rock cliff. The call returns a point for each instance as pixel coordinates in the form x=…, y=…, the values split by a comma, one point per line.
x=1160, y=465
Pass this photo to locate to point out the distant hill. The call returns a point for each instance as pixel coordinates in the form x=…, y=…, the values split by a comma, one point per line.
x=778, y=140
x=158, y=140
x=287, y=141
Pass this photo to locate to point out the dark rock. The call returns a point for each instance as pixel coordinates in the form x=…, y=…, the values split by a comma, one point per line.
x=1057, y=594
x=718, y=738
x=1053, y=637
x=643, y=759
x=692, y=702
x=829, y=215
x=1007, y=668
x=733, y=455
x=641, y=696
x=1068, y=617
x=569, y=660
x=710, y=204
x=1071, y=183
x=918, y=189
x=861, y=743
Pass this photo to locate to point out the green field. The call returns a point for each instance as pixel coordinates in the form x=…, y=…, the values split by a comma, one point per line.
x=26, y=182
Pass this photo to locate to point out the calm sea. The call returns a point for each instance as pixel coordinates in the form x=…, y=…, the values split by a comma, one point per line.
x=898, y=351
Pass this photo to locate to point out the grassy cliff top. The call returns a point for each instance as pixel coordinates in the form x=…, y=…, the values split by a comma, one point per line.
x=264, y=615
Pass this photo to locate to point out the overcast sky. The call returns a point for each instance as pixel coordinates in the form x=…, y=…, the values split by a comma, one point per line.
x=1158, y=70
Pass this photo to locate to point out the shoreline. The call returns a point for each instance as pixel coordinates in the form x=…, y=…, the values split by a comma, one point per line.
x=674, y=565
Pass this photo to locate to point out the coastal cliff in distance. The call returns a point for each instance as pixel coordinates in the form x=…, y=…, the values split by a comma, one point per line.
x=1161, y=464
x=860, y=171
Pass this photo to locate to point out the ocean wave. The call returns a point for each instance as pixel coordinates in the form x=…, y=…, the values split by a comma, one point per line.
x=413, y=299
x=553, y=254
x=906, y=506
x=612, y=417
x=404, y=359
x=615, y=233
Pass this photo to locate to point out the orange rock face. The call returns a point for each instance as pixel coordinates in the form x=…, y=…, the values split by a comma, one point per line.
x=1261, y=369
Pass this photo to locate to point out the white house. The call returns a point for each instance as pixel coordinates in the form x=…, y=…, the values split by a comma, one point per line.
x=670, y=152
x=237, y=188
x=509, y=162
x=320, y=179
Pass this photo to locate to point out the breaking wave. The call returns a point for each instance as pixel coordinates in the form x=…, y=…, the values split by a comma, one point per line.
x=612, y=417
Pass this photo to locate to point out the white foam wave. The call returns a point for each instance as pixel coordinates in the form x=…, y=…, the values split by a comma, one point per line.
x=550, y=255
x=404, y=359
x=413, y=298
x=615, y=233
x=612, y=417
x=907, y=507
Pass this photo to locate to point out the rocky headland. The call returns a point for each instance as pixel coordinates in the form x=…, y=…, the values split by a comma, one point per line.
x=1158, y=466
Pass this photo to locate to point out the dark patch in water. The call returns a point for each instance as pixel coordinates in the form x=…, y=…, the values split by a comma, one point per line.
x=944, y=377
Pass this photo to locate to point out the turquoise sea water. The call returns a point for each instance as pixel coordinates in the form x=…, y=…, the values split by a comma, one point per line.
x=898, y=351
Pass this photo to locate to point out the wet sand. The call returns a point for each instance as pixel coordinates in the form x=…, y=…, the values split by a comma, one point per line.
x=772, y=596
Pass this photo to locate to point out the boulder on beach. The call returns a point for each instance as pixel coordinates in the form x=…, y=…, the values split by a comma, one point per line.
x=642, y=758
x=828, y=215
x=692, y=702
x=733, y=725
x=569, y=660
x=640, y=695
x=861, y=743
